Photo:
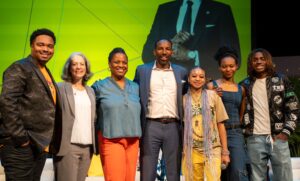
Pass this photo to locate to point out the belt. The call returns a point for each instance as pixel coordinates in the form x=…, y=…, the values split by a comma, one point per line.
x=163, y=120
x=233, y=126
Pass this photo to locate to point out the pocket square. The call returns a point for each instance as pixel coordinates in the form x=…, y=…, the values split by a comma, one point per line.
x=183, y=81
x=209, y=25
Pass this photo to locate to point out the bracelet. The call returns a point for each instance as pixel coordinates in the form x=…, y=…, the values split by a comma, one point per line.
x=225, y=152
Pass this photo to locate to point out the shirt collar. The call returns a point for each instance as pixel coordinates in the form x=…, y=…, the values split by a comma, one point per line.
x=156, y=68
x=194, y=1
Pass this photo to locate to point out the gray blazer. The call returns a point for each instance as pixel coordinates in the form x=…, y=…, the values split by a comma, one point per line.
x=143, y=76
x=68, y=116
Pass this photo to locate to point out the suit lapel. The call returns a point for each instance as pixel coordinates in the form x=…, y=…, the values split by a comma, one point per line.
x=178, y=79
x=177, y=76
x=41, y=77
x=92, y=99
x=148, y=72
x=200, y=23
x=172, y=20
x=70, y=97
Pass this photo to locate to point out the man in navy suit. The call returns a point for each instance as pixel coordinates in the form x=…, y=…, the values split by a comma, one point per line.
x=211, y=26
x=161, y=88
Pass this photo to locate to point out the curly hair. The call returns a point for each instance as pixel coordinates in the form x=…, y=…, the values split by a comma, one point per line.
x=268, y=57
x=226, y=51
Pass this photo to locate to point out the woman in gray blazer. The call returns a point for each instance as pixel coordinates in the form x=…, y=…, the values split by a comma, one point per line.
x=78, y=117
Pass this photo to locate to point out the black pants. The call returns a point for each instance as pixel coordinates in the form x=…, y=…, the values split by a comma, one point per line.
x=22, y=163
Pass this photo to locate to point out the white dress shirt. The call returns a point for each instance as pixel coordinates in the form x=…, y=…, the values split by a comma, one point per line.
x=163, y=94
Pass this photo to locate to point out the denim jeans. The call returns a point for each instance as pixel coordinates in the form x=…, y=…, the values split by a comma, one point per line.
x=260, y=151
x=237, y=169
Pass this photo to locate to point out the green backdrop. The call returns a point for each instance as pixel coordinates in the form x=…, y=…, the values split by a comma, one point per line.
x=93, y=27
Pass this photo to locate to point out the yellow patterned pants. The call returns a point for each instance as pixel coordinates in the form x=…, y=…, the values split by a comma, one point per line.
x=201, y=167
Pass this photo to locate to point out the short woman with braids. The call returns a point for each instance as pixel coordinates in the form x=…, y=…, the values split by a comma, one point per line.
x=205, y=144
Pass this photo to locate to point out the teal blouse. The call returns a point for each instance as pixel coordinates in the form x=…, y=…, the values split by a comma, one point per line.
x=118, y=110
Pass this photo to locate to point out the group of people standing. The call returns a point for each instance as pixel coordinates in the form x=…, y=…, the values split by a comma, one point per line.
x=199, y=126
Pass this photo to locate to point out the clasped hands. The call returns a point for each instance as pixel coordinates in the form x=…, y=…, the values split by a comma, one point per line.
x=180, y=53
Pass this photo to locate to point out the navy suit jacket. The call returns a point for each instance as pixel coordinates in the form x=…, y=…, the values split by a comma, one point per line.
x=143, y=76
x=214, y=27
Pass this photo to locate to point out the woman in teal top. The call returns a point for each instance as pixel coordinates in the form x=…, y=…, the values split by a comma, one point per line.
x=118, y=111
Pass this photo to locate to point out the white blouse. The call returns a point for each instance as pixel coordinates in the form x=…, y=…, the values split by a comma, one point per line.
x=82, y=127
